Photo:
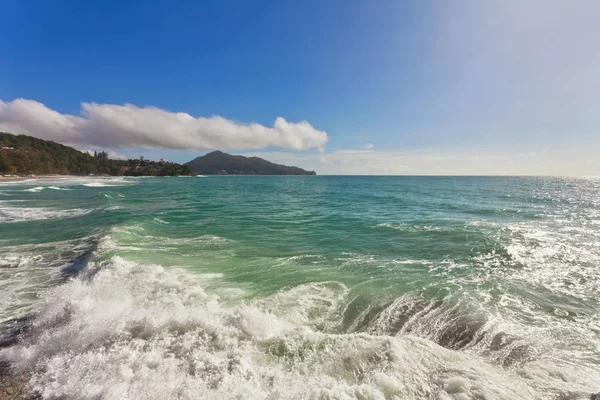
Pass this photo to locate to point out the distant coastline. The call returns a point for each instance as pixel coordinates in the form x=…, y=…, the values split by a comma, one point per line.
x=220, y=163
x=24, y=156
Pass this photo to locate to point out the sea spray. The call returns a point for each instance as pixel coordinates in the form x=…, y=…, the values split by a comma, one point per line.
x=131, y=331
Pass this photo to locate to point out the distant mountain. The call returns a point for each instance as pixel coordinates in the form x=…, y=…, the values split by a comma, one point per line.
x=24, y=155
x=219, y=163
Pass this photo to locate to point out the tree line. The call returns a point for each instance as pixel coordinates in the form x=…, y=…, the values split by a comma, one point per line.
x=27, y=155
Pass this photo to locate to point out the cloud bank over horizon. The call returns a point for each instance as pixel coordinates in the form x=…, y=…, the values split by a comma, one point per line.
x=476, y=162
x=128, y=126
x=157, y=133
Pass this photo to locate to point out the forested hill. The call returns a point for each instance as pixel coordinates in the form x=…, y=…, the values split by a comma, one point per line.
x=25, y=155
x=219, y=163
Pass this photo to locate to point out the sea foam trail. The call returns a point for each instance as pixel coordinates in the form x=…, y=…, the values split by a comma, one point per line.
x=40, y=188
x=123, y=330
x=20, y=214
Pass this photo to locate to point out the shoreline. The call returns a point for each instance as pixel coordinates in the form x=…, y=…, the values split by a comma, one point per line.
x=4, y=178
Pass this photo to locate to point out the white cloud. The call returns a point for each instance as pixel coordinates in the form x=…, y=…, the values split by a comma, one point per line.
x=368, y=146
x=129, y=126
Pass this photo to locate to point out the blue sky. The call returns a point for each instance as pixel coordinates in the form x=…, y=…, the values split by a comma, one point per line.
x=395, y=87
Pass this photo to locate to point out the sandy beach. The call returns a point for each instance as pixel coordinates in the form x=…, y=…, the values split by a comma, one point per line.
x=6, y=178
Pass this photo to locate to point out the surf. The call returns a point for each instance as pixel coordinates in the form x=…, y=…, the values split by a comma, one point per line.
x=269, y=288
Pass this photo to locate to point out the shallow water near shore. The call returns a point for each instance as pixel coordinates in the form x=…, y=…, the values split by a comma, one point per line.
x=302, y=287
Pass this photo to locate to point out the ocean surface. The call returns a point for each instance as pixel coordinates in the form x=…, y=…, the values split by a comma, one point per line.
x=315, y=287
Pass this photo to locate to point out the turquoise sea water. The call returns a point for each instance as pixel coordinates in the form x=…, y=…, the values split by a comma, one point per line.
x=303, y=287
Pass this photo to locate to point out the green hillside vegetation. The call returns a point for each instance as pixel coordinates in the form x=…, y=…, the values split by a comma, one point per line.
x=27, y=155
x=219, y=163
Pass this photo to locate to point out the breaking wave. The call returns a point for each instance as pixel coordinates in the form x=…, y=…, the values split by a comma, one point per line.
x=144, y=331
x=122, y=329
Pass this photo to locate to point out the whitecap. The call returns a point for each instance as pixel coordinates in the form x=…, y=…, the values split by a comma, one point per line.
x=20, y=214
x=35, y=189
x=408, y=227
x=109, y=182
x=100, y=184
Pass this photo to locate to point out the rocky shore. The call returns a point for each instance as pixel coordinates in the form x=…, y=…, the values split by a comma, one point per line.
x=13, y=387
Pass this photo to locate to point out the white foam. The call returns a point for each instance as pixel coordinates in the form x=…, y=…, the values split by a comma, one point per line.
x=99, y=184
x=26, y=270
x=67, y=181
x=40, y=188
x=143, y=331
x=561, y=258
x=18, y=260
x=20, y=214
x=136, y=232
x=408, y=227
x=108, y=182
